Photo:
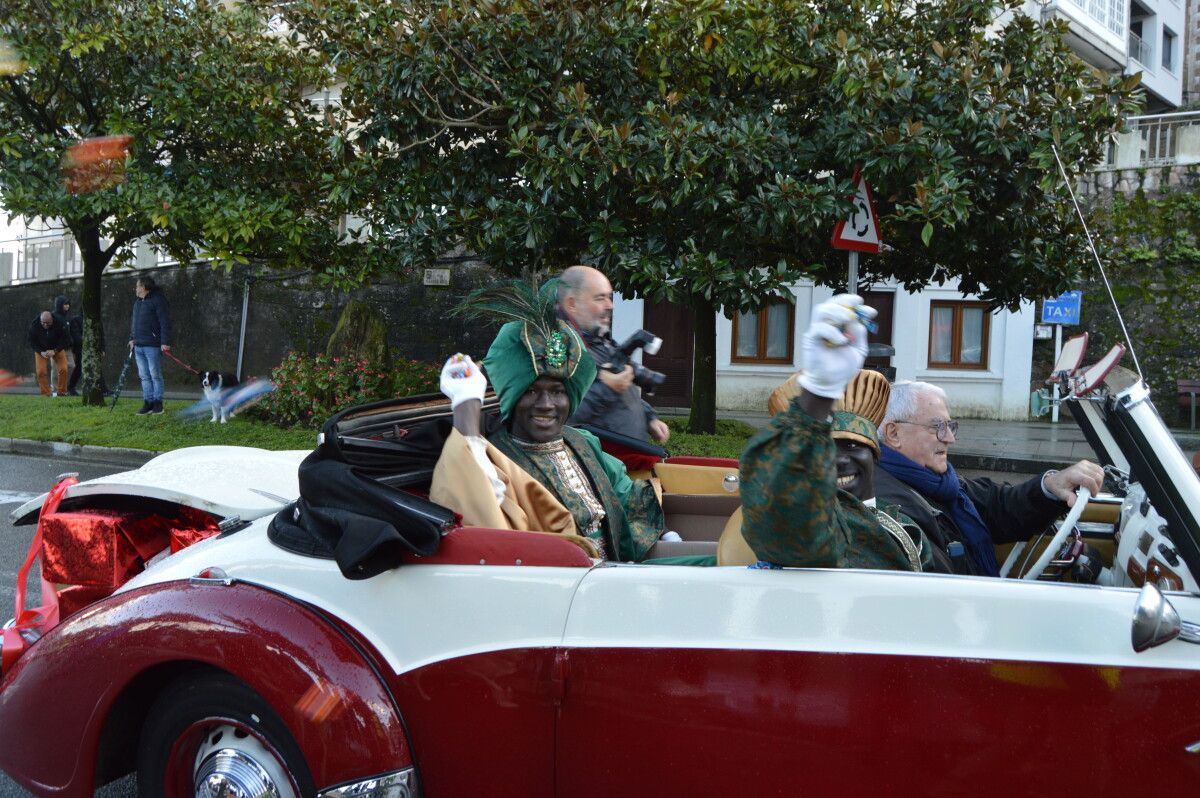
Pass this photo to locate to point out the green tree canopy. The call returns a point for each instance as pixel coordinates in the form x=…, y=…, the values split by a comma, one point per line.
x=226, y=156
x=1150, y=245
x=701, y=151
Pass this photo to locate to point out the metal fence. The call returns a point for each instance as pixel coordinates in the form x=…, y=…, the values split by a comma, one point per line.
x=1140, y=50
x=1158, y=140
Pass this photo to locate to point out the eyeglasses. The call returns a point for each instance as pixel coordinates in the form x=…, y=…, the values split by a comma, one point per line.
x=939, y=428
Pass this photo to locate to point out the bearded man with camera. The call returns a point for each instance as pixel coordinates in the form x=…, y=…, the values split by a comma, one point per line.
x=585, y=300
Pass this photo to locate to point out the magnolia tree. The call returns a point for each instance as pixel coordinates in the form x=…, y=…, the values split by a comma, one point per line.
x=214, y=150
x=700, y=151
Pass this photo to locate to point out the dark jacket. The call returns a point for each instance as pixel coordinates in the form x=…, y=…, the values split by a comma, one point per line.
x=56, y=337
x=1010, y=512
x=60, y=315
x=150, y=324
x=75, y=325
x=626, y=412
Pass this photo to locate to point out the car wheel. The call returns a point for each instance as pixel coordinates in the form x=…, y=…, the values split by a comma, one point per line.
x=212, y=735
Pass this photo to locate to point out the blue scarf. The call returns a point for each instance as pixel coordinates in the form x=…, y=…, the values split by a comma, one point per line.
x=947, y=491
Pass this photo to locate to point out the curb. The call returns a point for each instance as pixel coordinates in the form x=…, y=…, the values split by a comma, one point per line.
x=133, y=458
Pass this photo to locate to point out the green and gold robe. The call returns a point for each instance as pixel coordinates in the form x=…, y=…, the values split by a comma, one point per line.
x=793, y=512
x=622, y=516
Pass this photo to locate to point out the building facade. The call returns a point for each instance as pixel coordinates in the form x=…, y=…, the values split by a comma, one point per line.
x=1128, y=36
x=983, y=360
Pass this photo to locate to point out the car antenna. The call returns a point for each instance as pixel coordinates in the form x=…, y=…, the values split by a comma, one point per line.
x=1108, y=286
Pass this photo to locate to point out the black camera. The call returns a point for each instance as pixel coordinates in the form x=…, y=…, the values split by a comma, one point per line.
x=609, y=355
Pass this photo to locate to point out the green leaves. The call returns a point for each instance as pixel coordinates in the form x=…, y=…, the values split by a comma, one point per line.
x=215, y=104
x=704, y=149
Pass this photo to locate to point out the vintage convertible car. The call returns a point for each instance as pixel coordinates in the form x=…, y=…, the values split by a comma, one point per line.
x=477, y=661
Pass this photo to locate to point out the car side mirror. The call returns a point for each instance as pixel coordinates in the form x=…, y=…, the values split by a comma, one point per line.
x=1155, y=620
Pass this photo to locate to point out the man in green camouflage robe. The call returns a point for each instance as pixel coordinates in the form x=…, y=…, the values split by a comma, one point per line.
x=793, y=513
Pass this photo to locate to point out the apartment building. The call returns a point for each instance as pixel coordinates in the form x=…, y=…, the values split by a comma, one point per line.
x=1128, y=36
x=36, y=250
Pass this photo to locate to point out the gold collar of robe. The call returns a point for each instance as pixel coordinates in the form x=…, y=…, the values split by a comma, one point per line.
x=460, y=485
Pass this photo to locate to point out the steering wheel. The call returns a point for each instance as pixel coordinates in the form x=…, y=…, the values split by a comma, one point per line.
x=1082, y=495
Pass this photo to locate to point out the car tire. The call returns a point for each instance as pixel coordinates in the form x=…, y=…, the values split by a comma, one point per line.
x=215, y=727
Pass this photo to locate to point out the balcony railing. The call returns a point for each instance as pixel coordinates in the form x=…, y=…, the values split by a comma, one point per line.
x=1160, y=140
x=1139, y=49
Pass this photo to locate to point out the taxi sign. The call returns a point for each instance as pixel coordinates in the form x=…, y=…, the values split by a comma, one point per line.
x=1063, y=309
x=859, y=233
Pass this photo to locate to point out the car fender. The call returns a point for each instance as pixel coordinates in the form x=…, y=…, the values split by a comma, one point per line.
x=56, y=700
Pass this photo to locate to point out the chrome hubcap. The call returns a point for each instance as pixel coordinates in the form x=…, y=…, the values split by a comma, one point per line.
x=233, y=764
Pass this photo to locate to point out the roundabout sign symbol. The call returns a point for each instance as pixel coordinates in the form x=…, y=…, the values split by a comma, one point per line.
x=859, y=233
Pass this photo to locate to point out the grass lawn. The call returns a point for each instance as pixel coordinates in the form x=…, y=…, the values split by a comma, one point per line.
x=67, y=419
x=728, y=441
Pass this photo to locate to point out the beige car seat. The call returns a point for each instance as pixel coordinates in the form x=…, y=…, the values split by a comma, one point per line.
x=732, y=548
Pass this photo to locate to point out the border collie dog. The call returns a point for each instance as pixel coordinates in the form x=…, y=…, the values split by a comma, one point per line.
x=217, y=384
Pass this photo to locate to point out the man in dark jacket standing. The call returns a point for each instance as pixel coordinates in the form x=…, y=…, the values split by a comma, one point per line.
x=149, y=337
x=964, y=518
x=49, y=340
x=585, y=299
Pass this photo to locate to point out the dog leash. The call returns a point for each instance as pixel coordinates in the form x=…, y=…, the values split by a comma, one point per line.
x=180, y=362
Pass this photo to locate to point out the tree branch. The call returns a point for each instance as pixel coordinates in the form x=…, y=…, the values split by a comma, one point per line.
x=450, y=121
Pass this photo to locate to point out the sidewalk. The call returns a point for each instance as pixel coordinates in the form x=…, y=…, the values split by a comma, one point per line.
x=1022, y=447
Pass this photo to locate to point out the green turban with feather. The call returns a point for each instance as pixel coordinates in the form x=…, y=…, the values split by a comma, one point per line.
x=535, y=343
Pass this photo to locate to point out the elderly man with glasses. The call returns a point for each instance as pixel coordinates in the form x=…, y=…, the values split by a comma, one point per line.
x=964, y=518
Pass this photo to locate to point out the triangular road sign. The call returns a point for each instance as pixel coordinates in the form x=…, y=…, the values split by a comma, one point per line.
x=861, y=231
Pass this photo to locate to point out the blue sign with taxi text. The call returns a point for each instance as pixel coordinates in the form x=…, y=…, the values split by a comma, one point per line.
x=1063, y=309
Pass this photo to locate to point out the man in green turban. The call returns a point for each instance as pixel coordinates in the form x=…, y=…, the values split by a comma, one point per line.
x=539, y=368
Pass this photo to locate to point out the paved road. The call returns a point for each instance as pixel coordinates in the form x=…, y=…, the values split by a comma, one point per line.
x=22, y=478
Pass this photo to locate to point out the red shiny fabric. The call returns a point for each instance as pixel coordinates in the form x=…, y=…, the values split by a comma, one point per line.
x=28, y=625
x=106, y=548
x=100, y=548
x=192, y=526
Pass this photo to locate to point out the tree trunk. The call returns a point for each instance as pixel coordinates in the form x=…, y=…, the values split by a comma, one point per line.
x=360, y=333
x=94, y=260
x=704, y=368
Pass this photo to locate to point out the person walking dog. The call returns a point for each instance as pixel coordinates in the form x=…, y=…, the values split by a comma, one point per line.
x=149, y=337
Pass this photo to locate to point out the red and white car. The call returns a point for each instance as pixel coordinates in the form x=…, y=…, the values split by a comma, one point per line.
x=511, y=664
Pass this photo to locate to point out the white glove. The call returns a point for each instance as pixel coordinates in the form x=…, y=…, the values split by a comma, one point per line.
x=835, y=345
x=462, y=380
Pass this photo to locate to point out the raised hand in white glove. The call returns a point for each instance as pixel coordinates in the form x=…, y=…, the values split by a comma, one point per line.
x=462, y=380
x=835, y=345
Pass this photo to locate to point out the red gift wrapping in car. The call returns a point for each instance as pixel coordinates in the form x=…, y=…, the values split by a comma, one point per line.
x=192, y=526
x=100, y=548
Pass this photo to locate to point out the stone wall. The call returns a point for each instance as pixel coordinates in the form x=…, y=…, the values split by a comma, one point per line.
x=1105, y=182
x=283, y=315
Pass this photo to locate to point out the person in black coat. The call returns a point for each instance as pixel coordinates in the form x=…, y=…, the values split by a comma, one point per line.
x=62, y=311
x=50, y=341
x=963, y=518
x=585, y=299
x=74, y=325
x=149, y=337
